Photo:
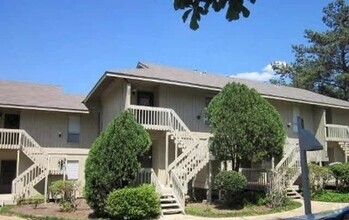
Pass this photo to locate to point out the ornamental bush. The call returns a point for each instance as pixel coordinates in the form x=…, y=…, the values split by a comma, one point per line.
x=140, y=202
x=113, y=159
x=65, y=192
x=340, y=171
x=245, y=126
x=231, y=183
x=318, y=176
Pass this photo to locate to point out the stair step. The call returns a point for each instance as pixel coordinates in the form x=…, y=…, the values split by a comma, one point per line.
x=168, y=200
x=171, y=211
x=166, y=205
x=166, y=195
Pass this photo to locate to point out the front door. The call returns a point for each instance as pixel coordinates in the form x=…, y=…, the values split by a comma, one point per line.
x=145, y=98
x=11, y=121
x=7, y=174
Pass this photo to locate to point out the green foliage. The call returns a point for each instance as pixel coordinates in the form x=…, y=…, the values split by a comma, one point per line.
x=65, y=192
x=34, y=200
x=231, y=183
x=330, y=196
x=322, y=66
x=112, y=161
x=218, y=211
x=140, y=202
x=318, y=176
x=201, y=7
x=340, y=171
x=244, y=126
x=276, y=198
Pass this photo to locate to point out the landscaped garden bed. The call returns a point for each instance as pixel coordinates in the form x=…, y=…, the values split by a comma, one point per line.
x=220, y=210
x=49, y=211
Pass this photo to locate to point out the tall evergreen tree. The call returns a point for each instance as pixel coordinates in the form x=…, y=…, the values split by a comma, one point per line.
x=323, y=65
x=245, y=126
x=113, y=159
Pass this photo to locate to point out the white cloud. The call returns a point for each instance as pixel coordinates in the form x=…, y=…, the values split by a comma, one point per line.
x=264, y=75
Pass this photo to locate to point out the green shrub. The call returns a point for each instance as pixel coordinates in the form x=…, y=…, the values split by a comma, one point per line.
x=318, y=176
x=140, y=202
x=231, y=183
x=113, y=159
x=340, y=171
x=276, y=198
x=330, y=196
x=34, y=200
x=65, y=192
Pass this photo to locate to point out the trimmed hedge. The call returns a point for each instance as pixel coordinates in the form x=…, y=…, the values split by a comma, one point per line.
x=340, y=171
x=140, y=202
x=230, y=181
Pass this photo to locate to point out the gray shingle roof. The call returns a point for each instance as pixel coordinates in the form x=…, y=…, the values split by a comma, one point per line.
x=170, y=75
x=38, y=96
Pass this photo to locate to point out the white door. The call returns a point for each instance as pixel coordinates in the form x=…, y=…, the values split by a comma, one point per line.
x=73, y=169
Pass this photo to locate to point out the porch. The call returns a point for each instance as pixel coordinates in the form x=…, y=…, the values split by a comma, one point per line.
x=24, y=163
x=337, y=137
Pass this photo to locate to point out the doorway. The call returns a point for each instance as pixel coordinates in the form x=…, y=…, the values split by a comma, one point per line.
x=11, y=121
x=145, y=98
x=7, y=175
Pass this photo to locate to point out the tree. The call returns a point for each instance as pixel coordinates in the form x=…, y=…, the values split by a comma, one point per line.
x=323, y=65
x=198, y=8
x=244, y=126
x=112, y=161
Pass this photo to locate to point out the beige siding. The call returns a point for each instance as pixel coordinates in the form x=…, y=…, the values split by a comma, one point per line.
x=188, y=103
x=112, y=102
x=50, y=129
x=340, y=116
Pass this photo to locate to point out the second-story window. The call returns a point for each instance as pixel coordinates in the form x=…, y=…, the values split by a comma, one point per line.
x=296, y=113
x=74, y=129
x=207, y=102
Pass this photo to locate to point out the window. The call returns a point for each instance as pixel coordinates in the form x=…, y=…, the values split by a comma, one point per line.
x=296, y=113
x=207, y=102
x=72, y=169
x=74, y=129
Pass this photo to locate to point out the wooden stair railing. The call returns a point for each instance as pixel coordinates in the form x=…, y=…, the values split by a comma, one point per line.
x=289, y=165
x=24, y=182
x=195, y=152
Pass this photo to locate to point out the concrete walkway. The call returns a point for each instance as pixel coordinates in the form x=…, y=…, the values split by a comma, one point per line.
x=3, y=217
x=317, y=207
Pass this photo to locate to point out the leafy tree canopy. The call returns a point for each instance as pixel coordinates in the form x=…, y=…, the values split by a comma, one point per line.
x=113, y=159
x=322, y=66
x=198, y=8
x=244, y=126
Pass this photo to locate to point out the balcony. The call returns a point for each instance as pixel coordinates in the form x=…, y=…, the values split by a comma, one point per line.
x=338, y=133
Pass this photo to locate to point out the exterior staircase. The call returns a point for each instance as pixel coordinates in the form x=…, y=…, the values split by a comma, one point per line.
x=24, y=183
x=344, y=145
x=288, y=170
x=169, y=204
x=194, y=150
x=340, y=134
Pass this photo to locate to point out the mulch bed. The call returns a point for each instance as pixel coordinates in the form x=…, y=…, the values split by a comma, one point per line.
x=51, y=209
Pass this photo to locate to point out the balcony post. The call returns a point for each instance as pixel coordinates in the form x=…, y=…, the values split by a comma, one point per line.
x=128, y=95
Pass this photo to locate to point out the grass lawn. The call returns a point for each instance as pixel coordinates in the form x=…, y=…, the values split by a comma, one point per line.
x=331, y=196
x=200, y=209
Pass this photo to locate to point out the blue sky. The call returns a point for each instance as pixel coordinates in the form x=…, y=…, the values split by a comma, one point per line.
x=72, y=43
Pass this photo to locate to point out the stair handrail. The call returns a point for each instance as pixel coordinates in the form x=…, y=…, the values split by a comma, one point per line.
x=178, y=190
x=33, y=145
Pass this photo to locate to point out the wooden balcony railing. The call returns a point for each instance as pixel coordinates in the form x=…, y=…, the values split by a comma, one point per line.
x=337, y=132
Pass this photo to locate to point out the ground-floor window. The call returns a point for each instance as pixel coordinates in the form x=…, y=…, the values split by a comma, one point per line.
x=72, y=169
